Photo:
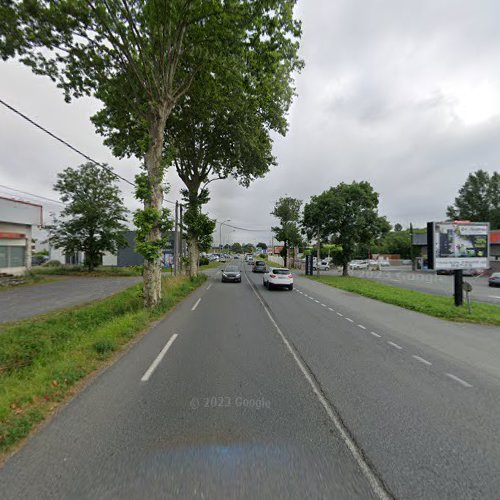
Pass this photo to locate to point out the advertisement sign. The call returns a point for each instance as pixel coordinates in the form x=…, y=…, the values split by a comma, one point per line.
x=460, y=245
x=277, y=250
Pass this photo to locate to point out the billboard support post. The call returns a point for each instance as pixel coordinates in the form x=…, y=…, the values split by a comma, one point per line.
x=459, y=283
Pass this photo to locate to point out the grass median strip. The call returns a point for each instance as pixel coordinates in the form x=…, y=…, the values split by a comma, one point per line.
x=43, y=358
x=432, y=305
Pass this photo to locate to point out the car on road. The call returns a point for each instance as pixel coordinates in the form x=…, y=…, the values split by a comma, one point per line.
x=222, y=258
x=323, y=266
x=494, y=279
x=231, y=274
x=358, y=264
x=278, y=277
x=259, y=266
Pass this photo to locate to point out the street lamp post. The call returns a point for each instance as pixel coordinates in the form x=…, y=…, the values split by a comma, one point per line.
x=220, y=234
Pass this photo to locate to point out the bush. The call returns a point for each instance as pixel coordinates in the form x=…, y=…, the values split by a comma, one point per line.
x=103, y=346
x=53, y=263
x=204, y=261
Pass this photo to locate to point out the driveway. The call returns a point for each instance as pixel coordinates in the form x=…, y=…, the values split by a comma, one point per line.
x=27, y=301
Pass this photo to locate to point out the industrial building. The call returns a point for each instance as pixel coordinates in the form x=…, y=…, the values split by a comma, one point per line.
x=17, y=219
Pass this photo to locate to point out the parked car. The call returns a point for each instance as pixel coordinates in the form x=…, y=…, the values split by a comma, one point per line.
x=323, y=266
x=471, y=272
x=38, y=260
x=222, y=258
x=383, y=263
x=276, y=277
x=494, y=279
x=358, y=264
x=259, y=266
x=232, y=274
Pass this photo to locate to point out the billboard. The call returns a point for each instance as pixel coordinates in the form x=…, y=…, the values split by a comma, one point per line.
x=277, y=249
x=458, y=245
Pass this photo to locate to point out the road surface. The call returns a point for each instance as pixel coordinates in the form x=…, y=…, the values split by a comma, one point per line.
x=243, y=392
x=27, y=301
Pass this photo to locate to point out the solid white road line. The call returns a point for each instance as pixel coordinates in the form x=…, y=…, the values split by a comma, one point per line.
x=196, y=304
x=376, y=335
x=158, y=359
x=209, y=286
x=422, y=360
x=395, y=345
x=375, y=483
x=362, y=327
x=459, y=380
x=350, y=320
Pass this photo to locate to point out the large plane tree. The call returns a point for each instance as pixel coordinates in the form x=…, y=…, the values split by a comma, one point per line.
x=140, y=58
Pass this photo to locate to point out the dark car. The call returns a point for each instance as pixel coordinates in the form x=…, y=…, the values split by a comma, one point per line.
x=494, y=279
x=231, y=273
x=259, y=266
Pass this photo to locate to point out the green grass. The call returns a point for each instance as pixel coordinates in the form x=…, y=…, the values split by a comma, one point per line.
x=82, y=271
x=432, y=305
x=43, y=358
x=211, y=265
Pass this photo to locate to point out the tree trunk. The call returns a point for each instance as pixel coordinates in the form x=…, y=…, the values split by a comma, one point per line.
x=152, y=267
x=318, y=255
x=194, y=256
x=345, y=269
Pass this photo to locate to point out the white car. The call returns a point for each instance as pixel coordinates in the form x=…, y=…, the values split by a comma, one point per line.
x=278, y=277
x=358, y=264
x=323, y=266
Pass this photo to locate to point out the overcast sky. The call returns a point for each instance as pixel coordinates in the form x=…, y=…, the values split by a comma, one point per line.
x=403, y=94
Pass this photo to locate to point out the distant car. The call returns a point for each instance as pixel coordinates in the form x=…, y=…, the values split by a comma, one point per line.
x=222, y=258
x=276, y=277
x=384, y=263
x=444, y=271
x=231, y=273
x=358, y=264
x=323, y=266
x=259, y=267
x=471, y=272
x=38, y=260
x=494, y=279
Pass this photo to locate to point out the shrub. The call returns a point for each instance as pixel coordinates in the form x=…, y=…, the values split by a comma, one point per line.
x=103, y=346
x=53, y=263
x=204, y=261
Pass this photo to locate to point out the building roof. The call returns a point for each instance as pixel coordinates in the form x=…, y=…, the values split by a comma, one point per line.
x=14, y=211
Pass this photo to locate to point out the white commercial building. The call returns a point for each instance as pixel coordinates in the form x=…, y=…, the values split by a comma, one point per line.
x=17, y=219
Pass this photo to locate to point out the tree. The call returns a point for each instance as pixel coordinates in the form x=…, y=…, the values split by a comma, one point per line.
x=347, y=215
x=92, y=220
x=287, y=210
x=478, y=199
x=248, y=248
x=262, y=245
x=395, y=243
x=398, y=227
x=140, y=58
x=236, y=248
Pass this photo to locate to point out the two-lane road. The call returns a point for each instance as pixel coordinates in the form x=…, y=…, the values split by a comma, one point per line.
x=243, y=392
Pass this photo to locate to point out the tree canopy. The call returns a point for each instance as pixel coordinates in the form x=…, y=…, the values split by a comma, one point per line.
x=93, y=219
x=346, y=215
x=478, y=199
x=287, y=210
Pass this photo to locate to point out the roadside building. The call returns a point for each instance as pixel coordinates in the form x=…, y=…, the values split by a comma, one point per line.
x=17, y=219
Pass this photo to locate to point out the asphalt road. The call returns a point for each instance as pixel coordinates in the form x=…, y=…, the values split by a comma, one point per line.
x=275, y=394
x=27, y=301
x=429, y=283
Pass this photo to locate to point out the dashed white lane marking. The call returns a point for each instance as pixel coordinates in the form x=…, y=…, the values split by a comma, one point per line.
x=394, y=345
x=196, y=304
x=339, y=314
x=376, y=335
x=209, y=286
x=422, y=360
x=330, y=309
x=158, y=359
x=362, y=327
x=316, y=300
x=324, y=305
x=459, y=380
x=375, y=483
x=350, y=320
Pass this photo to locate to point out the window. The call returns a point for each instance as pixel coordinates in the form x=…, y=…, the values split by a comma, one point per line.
x=12, y=256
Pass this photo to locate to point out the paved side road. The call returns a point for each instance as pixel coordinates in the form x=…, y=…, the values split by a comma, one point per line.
x=28, y=301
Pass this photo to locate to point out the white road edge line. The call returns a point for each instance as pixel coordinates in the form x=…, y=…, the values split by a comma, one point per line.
x=376, y=335
x=422, y=360
x=196, y=304
x=362, y=327
x=209, y=286
x=459, y=380
x=158, y=359
x=375, y=483
x=394, y=345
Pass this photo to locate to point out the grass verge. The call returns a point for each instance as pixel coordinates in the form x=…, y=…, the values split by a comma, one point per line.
x=432, y=305
x=42, y=359
x=211, y=265
x=82, y=271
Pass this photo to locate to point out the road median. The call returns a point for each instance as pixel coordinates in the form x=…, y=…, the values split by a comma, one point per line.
x=432, y=305
x=42, y=359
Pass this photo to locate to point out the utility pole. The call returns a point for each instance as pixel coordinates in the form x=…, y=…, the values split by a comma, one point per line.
x=181, y=246
x=411, y=248
x=176, y=246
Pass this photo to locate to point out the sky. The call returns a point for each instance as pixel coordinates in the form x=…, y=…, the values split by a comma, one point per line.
x=405, y=95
